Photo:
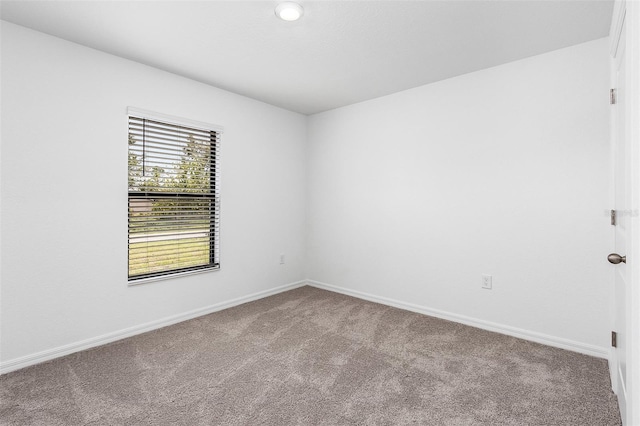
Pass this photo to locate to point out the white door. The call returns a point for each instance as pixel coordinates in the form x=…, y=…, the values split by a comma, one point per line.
x=626, y=186
x=622, y=225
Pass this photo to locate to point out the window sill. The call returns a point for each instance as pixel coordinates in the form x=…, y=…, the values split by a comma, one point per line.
x=140, y=281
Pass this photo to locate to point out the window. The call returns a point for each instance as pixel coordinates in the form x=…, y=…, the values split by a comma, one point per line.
x=173, y=196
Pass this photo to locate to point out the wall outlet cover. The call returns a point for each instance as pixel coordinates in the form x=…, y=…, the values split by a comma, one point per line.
x=487, y=281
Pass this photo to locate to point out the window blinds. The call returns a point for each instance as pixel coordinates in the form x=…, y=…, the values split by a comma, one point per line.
x=173, y=198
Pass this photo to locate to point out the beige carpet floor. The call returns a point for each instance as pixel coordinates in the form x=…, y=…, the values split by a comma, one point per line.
x=312, y=357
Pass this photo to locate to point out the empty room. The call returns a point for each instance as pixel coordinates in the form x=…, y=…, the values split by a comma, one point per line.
x=320, y=212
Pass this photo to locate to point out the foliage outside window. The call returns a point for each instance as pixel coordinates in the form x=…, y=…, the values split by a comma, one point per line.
x=173, y=199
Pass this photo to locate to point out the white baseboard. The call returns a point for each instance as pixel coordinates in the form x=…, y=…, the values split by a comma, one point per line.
x=49, y=354
x=533, y=336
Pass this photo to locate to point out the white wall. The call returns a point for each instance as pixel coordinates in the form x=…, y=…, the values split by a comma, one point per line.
x=64, y=193
x=503, y=171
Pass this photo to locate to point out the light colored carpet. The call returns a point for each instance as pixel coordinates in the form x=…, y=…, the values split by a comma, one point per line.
x=312, y=357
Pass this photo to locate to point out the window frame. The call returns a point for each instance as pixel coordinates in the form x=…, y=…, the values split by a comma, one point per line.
x=214, y=182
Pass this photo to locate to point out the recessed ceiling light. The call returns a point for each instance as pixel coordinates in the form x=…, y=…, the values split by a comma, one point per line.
x=289, y=11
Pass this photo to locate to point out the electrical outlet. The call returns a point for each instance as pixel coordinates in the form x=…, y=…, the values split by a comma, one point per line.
x=282, y=259
x=487, y=281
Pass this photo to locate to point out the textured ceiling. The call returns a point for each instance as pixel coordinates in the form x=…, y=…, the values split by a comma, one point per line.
x=339, y=53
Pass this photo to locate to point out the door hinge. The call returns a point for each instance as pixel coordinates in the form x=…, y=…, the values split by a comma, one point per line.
x=613, y=217
x=614, y=339
x=612, y=96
